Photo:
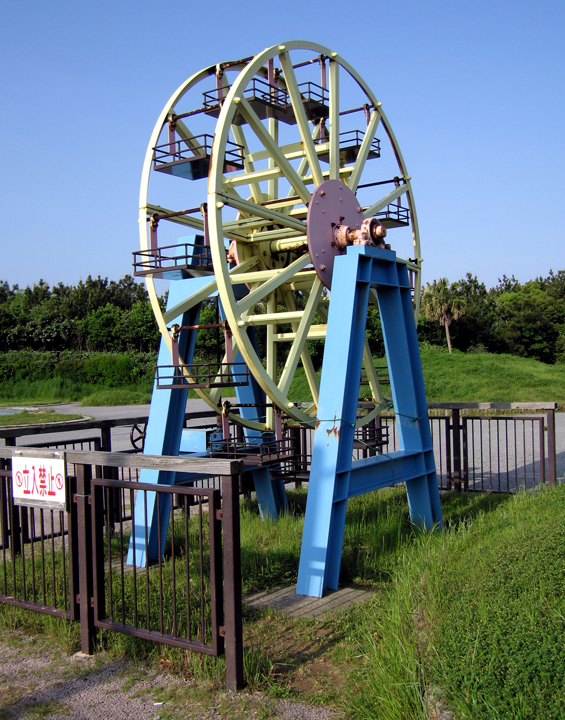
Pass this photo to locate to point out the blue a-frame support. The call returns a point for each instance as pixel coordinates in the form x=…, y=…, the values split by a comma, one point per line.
x=334, y=476
x=165, y=425
x=163, y=434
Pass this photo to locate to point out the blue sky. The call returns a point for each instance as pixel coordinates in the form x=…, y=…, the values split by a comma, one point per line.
x=473, y=90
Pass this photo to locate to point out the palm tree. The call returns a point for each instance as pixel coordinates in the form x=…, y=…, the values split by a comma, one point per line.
x=441, y=301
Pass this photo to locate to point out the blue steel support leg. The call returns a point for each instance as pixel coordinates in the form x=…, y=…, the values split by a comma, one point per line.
x=271, y=493
x=421, y=403
x=164, y=431
x=407, y=387
x=324, y=521
x=334, y=477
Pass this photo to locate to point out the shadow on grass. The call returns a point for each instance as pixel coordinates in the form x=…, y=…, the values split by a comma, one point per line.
x=377, y=531
x=461, y=507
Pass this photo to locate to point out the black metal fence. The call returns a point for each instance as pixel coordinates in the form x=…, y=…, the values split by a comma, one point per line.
x=180, y=597
x=73, y=563
x=36, y=556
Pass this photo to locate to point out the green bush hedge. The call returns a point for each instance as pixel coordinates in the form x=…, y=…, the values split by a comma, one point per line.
x=112, y=370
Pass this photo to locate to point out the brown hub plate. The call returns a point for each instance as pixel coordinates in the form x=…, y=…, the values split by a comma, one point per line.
x=331, y=204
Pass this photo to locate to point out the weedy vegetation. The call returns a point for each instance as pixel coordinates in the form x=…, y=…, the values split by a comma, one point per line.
x=470, y=619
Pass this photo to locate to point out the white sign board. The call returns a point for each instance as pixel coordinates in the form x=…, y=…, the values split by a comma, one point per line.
x=39, y=481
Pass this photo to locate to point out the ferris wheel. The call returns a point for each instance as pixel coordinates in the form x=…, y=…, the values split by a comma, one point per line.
x=274, y=165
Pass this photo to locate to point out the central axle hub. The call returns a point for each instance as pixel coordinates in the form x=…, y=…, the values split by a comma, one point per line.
x=335, y=221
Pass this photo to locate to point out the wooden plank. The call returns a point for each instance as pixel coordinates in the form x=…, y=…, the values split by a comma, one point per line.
x=208, y=466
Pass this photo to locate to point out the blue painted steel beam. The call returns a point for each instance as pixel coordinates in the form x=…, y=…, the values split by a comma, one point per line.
x=334, y=478
x=271, y=493
x=165, y=425
x=164, y=428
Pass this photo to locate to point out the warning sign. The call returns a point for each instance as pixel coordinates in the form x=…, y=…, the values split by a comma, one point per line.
x=39, y=481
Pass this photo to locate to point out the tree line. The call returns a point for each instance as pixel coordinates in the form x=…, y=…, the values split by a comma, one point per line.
x=519, y=319
x=94, y=315
x=107, y=316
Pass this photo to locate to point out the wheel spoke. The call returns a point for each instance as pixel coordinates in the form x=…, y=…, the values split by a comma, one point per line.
x=187, y=220
x=386, y=200
x=251, y=209
x=239, y=137
x=184, y=133
x=334, y=120
x=372, y=377
x=367, y=363
x=300, y=115
x=273, y=184
x=377, y=410
x=271, y=353
x=259, y=129
x=301, y=335
x=364, y=151
x=302, y=168
x=281, y=276
x=205, y=292
x=307, y=364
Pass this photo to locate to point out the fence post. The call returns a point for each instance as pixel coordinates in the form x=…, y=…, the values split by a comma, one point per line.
x=74, y=560
x=448, y=473
x=456, y=427
x=465, y=455
x=84, y=523
x=233, y=623
x=551, y=450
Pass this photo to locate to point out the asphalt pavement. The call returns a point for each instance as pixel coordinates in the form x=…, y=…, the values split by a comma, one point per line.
x=121, y=434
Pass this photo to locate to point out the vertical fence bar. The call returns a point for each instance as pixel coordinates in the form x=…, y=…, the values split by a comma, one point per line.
x=216, y=590
x=541, y=451
x=97, y=515
x=4, y=502
x=456, y=426
x=465, y=455
x=160, y=551
x=533, y=459
x=64, y=553
x=107, y=520
x=507, y=457
x=174, y=569
x=187, y=554
x=551, y=454
x=232, y=583
x=448, y=452
x=87, y=627
x=33, y=593
x=134, y=565
x=74, y=572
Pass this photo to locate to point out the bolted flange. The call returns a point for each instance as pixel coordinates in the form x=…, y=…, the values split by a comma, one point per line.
x=335, y=221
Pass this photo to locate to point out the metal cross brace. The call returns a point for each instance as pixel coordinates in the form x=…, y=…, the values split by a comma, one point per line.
x=334, y=476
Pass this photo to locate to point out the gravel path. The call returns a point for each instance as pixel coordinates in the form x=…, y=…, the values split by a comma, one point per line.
x=46, y=684
x=35, y=682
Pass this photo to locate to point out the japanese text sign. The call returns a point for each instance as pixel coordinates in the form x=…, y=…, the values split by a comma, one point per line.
x=39, y=481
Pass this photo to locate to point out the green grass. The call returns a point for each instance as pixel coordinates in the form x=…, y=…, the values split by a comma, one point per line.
x=59, y=390
x=116, y=396
x=473, y=377
x=36, y=417
x=482, y=377
x=474, y=615
x=460, y=377
x=470, y=619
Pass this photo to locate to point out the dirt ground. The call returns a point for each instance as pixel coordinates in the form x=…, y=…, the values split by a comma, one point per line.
x=36, y=682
